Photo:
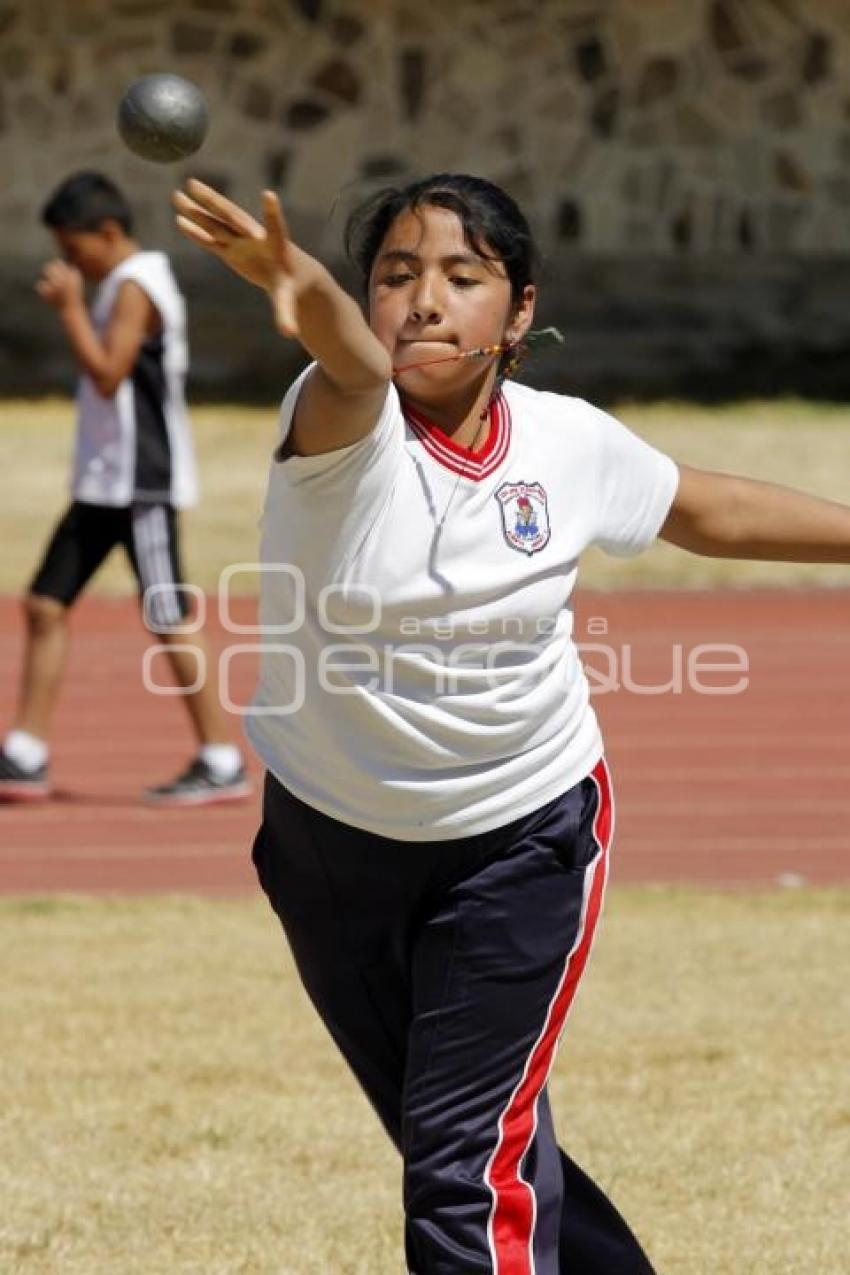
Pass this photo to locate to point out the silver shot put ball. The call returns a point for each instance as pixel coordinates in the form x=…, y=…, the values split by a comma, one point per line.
x=163, y=118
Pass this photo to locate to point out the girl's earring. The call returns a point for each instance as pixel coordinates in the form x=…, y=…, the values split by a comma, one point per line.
x=515, y=354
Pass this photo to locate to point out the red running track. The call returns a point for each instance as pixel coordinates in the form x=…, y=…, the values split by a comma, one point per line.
x=730, y=789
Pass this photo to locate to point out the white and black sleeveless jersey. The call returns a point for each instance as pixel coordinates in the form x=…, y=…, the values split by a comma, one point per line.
x=136, y=445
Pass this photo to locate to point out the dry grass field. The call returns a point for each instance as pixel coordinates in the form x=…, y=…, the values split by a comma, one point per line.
x=171, y=1106
x=792, y=442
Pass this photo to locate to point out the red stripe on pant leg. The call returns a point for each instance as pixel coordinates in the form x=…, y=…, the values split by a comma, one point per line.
x=603, y=824
x=512, y=1216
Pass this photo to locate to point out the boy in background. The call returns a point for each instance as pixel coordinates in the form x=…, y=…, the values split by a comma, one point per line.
x=134, y=468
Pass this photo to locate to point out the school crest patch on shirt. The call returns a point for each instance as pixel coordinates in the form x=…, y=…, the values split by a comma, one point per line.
x=525, y=516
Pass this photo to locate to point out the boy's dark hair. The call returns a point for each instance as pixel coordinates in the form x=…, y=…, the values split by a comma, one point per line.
x=493, y=224
x=84, y=201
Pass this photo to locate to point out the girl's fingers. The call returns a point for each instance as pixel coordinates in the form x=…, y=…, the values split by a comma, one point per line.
x=283, y=294
x=190, y=211
x=196, y=233
x=211, y=201
x=276, y=227
x=181, y=201
x=283, y=306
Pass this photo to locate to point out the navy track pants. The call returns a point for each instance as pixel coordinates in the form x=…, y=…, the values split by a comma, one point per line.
x=445, y=971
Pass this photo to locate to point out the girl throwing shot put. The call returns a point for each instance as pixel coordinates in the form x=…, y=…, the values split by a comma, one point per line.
x=438, y=813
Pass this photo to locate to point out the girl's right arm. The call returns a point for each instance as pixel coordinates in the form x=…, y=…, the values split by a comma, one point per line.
x=342, y=399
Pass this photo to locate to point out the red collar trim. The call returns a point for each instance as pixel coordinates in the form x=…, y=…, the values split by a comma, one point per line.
x=460, y=460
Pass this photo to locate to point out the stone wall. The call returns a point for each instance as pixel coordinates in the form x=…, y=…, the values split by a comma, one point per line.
x=685, y=163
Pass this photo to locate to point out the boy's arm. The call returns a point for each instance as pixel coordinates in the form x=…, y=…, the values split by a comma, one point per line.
x=107, y=360
x=341, y=402
x=723, y=516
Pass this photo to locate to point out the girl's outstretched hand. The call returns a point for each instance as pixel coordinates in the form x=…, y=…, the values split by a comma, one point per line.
x=263, y=253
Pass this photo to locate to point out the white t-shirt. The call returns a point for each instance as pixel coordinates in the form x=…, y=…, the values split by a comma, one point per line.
x=419, y=678
x=136, y=444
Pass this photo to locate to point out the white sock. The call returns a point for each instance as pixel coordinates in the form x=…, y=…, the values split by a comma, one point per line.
x=25, y=750
x=223, y=759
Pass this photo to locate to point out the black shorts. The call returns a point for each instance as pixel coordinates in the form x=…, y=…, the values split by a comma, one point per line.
x=86, y=534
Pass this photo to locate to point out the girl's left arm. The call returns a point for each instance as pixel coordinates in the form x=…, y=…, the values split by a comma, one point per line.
x=723, y=516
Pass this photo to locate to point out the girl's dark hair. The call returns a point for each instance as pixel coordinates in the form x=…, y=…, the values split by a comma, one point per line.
x=84, y=201
x=493, y=224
